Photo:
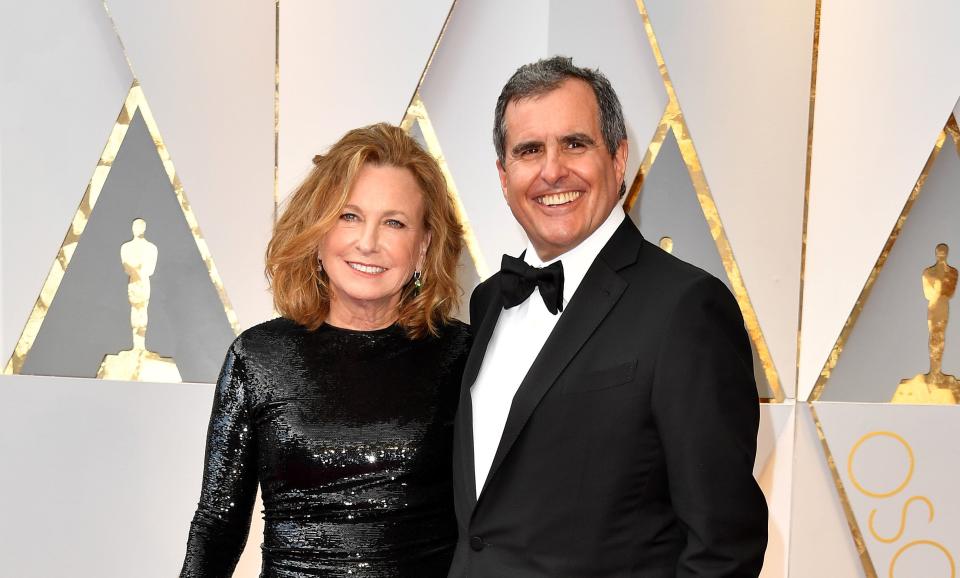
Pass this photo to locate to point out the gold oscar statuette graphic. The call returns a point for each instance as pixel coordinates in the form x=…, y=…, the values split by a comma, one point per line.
x=934, y=387
x=666, y=243
x=139, y=257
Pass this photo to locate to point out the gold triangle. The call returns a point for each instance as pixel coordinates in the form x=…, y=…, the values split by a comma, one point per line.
x=135, y=101
x=673, y=120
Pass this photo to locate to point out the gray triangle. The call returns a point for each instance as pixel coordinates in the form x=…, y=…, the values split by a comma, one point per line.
x=416, y=133
x=888, y=342
x=90, y=315
x=668, y=207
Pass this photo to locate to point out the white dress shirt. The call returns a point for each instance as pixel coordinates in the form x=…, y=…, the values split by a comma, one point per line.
x=516, y=341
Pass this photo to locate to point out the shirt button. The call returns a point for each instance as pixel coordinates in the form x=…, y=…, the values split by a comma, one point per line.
x=476, y=543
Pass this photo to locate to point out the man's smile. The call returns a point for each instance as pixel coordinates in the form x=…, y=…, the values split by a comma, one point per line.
x=555, y=199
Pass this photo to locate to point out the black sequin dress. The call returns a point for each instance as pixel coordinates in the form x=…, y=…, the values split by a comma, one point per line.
x=349, y=434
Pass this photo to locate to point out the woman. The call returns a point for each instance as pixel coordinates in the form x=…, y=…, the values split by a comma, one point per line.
x=342, y=409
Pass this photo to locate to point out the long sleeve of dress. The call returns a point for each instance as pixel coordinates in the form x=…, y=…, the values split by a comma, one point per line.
x=222, y=520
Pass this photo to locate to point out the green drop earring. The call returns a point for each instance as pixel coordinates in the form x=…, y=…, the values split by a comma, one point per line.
x=417, y=282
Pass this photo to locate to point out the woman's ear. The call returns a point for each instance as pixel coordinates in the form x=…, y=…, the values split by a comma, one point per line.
x=424, y=245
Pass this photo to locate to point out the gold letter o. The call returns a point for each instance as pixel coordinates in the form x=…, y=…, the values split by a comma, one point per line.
x=937, y=545
x=853, y=452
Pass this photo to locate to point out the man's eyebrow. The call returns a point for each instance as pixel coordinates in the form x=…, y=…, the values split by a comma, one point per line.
x=524, y=145
x=578, y=137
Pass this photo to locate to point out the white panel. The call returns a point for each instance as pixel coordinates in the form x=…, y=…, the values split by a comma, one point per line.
x=885, y=88
x=207, y=71
x=479, y=52
x=820, y=541
x=898, y=464
x=101, y=478
x=63, y=82
x=619, y=48
x=741, y=70
x=774, y=470
x=344, y=65
x=3, y=334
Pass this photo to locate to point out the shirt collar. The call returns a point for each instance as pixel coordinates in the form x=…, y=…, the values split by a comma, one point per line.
x=576, y=261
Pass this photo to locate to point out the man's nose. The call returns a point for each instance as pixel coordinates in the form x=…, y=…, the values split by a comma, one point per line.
x=554, y=168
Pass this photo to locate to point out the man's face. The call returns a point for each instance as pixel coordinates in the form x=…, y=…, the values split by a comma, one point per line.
x=558, y=177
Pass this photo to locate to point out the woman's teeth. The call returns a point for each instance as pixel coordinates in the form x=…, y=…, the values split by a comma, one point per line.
x=367, y=268
x=559, y=198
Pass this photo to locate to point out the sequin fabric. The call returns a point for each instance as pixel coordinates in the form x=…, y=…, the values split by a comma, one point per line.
x=349, y=434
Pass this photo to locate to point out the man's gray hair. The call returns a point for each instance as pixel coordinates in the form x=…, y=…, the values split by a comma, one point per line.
x=546, y=75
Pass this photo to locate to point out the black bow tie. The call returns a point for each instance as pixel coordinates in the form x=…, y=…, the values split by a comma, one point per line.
x=518, y=280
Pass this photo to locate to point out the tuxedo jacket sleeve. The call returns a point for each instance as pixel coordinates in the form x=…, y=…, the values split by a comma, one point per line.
x=707, y=421
x=629, y=448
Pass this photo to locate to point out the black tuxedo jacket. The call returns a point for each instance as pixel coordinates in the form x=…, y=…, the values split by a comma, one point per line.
x=629, y=447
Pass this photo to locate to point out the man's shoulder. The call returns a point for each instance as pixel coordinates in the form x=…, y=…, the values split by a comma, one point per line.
x=656, y=265
x=635, y=258
x=482, y=296
x=486, y=288
x=486, y=291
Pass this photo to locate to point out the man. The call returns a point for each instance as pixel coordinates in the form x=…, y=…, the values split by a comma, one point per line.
x=608, y=418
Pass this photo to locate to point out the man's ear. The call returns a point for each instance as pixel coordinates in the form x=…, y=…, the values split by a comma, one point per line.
x=620, y=159
x=503, y=178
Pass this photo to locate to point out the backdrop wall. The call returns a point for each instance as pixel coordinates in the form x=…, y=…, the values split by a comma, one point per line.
x=803, y=131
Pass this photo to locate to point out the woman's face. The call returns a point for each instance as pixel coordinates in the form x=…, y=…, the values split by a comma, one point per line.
x=377, y=243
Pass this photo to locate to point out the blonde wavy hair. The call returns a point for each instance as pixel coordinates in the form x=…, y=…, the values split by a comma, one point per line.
x=302, y=294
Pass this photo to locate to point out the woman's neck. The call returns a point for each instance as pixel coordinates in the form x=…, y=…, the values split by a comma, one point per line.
x=361, y=318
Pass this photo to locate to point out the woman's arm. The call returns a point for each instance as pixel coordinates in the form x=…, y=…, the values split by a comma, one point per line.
x=219, y=528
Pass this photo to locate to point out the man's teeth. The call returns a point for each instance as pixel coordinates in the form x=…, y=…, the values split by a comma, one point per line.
x=367, y=268
x=559, y=198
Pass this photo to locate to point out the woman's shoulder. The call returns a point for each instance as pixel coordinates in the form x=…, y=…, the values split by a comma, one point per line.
x=267, y=337
x=454, y=336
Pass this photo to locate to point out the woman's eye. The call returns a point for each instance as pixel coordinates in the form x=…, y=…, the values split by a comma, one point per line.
x=349, y=217
x=395, y=224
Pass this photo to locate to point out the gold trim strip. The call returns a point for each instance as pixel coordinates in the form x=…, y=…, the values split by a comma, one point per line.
x=674, y=120
x=415, y=97
x=953, y=130
x=653, y=149
x=858, y=540
x=134, y=101
x=116, y=30
x=806, y=182
x=418, y=113
x=875, y=272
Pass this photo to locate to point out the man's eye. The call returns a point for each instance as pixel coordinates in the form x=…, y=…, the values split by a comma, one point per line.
x=575, y=145
x=349, y=217
x=529, y=151
x=394, y=224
